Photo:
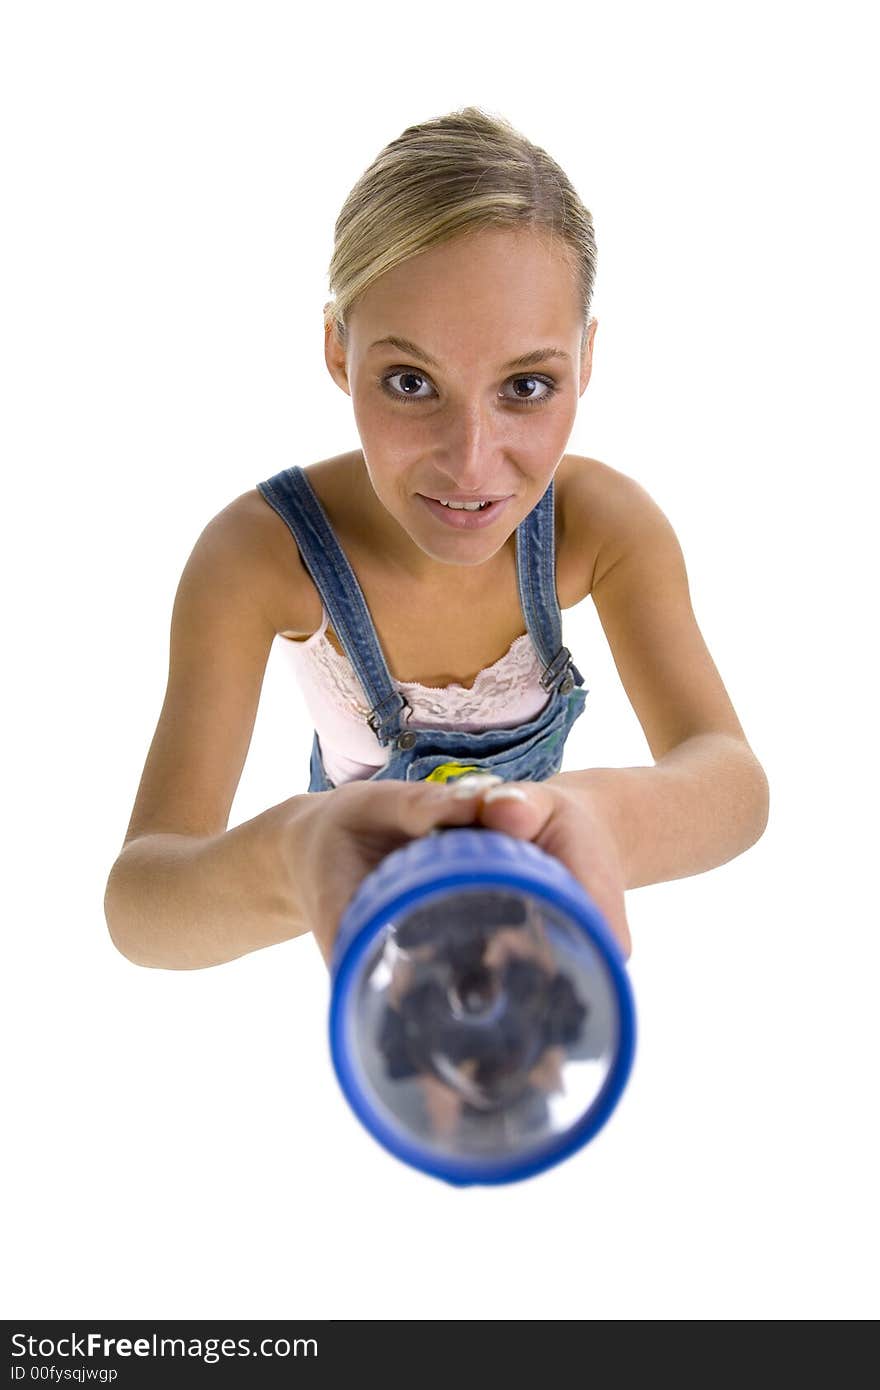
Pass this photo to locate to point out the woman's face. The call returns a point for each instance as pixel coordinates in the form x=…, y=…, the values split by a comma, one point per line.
x=449, y=411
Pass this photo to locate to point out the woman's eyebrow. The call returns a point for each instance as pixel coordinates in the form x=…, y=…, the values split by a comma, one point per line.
x=528, y=359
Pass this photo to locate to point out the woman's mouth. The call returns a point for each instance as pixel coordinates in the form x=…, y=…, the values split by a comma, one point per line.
x=468, y=516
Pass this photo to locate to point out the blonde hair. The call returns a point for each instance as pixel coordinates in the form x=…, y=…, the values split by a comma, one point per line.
x=438, y=180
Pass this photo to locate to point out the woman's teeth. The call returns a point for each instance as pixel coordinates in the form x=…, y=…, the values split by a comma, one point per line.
x=464, y=506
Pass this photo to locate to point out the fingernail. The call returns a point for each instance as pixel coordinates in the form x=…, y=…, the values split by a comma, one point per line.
x=502, y=793
x=472, y=784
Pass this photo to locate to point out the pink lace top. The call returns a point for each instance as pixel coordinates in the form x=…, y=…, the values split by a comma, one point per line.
x=504, y=695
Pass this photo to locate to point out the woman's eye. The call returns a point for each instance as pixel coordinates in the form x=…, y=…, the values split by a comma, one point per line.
x=407, y=392
x=534, y=398
x=412, y=382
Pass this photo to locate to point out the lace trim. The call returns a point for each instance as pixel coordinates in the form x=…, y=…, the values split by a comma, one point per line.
x=493, y=691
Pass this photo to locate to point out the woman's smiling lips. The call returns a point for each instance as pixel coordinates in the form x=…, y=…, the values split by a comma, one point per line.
x=465, y=496
x=462, y=520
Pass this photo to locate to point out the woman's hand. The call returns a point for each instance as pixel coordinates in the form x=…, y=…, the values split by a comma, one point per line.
x=352, y=828
x=562, y=822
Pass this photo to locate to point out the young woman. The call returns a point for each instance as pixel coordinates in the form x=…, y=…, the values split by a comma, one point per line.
x=417, y=583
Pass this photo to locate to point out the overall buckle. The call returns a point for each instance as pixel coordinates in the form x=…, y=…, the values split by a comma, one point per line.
x=561, y=662
x=375, y=719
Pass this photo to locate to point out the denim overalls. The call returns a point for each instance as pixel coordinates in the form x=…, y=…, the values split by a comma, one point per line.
x=529, y=752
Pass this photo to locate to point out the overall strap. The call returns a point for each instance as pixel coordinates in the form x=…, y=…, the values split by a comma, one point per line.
x=291, y=495
x=536, y=578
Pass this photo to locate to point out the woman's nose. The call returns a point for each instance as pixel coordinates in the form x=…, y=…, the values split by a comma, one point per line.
x=469, y=451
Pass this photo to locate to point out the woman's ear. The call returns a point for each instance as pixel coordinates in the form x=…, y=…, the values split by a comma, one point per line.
x=334, y=355
x=587, y=355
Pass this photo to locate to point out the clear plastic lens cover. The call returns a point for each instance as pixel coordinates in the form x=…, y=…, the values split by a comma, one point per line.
x=483, y=1024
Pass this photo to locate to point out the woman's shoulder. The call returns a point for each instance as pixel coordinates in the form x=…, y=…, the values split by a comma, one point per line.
x=266, y=546
x=588, y=488
x=613, y=509
x=592, y=500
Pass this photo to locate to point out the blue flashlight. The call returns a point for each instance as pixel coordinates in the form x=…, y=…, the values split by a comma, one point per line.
x=482, y=1024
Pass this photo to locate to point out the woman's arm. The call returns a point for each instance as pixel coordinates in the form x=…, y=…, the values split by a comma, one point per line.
x=184, y=892
x=183, y=902
x=703, y=803
x=706, y=799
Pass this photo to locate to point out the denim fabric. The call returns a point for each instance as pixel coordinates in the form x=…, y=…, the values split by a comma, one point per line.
x=529, y=752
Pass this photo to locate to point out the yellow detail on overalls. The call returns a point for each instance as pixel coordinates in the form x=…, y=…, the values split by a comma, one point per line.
x=447, y=770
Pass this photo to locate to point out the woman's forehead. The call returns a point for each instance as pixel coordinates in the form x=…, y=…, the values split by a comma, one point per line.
x=510, y=282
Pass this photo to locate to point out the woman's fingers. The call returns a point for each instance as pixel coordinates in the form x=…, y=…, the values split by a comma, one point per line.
x=565, y=827
x=521, y=811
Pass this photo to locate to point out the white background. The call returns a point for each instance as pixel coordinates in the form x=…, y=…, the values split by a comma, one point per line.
x=177, y=1145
